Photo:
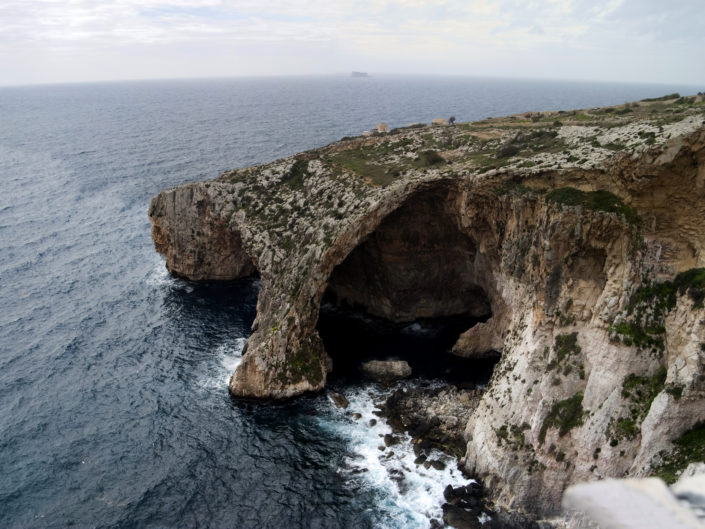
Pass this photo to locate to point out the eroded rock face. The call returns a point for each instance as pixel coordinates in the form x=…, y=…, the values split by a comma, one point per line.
x=193, y=236
x=557, y=232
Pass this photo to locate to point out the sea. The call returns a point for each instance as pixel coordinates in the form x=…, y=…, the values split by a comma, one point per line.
x=114, y=409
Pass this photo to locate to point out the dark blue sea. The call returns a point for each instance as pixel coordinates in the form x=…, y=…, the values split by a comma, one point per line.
x=114, y=410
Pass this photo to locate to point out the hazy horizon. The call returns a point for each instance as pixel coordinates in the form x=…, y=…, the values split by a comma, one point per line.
x=411, y=75
x=621, y=41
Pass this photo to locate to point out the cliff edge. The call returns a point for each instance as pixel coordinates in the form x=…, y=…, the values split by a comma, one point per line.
x=577, y=235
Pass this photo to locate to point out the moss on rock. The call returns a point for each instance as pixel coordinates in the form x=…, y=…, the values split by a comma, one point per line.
x=564, y=415
x=596, y=200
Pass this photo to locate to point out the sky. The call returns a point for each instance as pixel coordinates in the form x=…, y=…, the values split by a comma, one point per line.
x=652, y=41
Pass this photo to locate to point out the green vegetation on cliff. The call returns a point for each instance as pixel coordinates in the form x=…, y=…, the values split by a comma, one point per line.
x=304, y=364
x=564, y=415
x=649, y=305
x=640, y=391
x=688, y=448
x=567, y=357
x=596, y=200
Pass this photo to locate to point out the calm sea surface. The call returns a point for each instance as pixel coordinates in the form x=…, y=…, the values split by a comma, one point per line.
x=114, y=409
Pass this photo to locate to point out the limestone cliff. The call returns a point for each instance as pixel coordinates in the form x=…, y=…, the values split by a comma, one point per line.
x=578, y=234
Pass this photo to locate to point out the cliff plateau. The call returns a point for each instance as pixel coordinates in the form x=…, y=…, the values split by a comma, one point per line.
x=578, y=236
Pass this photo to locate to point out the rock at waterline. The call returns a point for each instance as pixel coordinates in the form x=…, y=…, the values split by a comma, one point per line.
x=467, y=497
x=438, y=465
x=338, y=399
x=460, y=518
x=386, y=370
x=390, y=440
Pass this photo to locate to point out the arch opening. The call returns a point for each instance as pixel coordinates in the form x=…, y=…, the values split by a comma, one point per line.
x=408, y=291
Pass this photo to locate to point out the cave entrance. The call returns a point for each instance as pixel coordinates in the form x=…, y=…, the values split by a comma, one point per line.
x=408, y=291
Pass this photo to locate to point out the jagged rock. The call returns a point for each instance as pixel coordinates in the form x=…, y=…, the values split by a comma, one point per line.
x=554, y=242
x=338, y=399
x=437, y=417
x=386, y=370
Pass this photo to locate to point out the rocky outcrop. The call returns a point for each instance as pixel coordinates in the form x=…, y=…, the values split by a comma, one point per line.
x=482, y=340
x=194, y=237
x=338, y=399
x=580, y=234
x=386, y=370
x=434, y=417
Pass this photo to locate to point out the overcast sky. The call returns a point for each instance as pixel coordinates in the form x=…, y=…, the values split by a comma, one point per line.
x=659, y=41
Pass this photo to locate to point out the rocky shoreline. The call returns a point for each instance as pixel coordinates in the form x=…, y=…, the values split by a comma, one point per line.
x=576, y=237
x=435, y=418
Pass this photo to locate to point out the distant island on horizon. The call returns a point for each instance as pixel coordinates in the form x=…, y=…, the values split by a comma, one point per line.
x=359, y=74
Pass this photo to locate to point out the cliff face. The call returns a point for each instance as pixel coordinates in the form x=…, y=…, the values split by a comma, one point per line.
x=569, y=229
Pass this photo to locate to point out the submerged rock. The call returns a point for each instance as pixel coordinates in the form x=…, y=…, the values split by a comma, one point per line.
x=386, y=370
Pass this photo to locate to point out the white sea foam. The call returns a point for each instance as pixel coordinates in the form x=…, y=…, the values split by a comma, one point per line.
x=227, y=356
x=158, y=275
x=410, y=495
x=230, y=356
x=415, y=328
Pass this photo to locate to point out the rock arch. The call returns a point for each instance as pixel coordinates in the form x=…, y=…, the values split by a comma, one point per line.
x=416, y=264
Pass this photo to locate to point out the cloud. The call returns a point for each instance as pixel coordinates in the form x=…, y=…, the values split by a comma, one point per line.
x=178, y=20
x=388, y=33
